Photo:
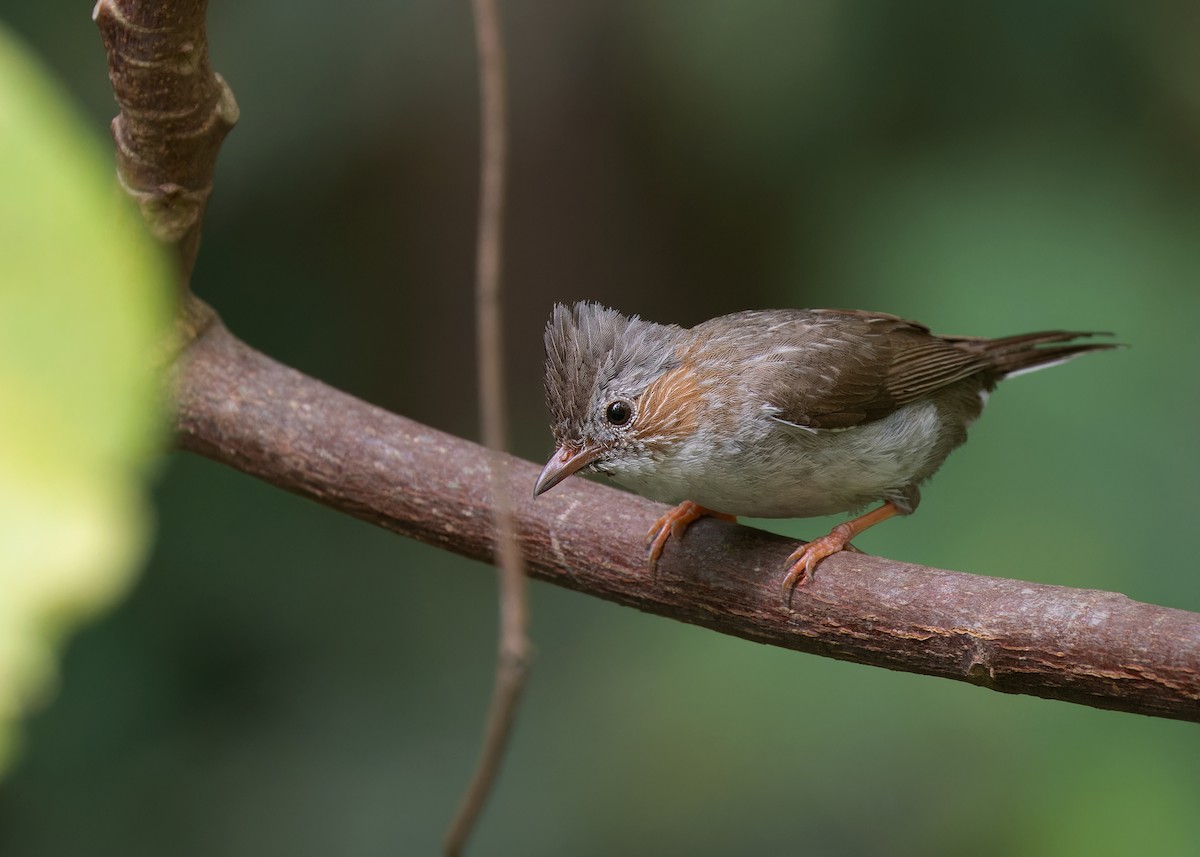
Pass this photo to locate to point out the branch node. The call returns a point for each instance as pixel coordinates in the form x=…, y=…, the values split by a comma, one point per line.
x=174, y=114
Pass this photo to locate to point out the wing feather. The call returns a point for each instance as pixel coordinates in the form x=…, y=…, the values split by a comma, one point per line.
x=833, y=369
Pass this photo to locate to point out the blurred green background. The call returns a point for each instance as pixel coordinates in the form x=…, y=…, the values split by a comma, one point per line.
x=285, y=680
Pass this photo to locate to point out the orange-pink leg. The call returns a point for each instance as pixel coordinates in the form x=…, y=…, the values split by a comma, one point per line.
x=674, y=523
x=804, y=559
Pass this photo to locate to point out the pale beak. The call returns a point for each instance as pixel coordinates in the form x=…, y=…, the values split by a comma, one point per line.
x=562, y=464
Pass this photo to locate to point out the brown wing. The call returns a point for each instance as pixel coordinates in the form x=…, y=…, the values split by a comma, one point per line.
x=827, y=369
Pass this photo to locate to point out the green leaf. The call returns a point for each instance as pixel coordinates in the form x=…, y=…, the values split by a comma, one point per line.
x=85, y=308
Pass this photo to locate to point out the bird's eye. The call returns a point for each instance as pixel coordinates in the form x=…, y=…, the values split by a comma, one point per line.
x=619, y=412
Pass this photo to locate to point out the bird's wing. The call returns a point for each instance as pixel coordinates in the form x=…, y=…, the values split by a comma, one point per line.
x=832, y=369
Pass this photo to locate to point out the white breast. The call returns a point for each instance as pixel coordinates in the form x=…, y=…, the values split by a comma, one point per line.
x=780, y=471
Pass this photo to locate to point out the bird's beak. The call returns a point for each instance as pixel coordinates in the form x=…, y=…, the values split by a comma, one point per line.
x=562, y=464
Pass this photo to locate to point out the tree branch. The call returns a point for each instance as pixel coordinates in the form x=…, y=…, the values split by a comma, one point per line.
x=1095, y=648
x=512, y=656
x=175, y=111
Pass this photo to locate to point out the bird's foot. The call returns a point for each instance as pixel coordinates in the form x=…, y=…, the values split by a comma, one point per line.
x=674, y=523
x=803, y=561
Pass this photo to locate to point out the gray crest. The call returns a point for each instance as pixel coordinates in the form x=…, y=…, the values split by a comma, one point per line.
x=592, y=352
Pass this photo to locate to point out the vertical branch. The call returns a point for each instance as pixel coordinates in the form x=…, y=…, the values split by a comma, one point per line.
x=174, y=113
x=513, y=651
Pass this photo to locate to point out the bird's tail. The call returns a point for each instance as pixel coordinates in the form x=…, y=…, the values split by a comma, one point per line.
x=1027, y=352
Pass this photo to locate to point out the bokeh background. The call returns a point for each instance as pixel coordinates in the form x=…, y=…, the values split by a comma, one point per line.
x=285, y=680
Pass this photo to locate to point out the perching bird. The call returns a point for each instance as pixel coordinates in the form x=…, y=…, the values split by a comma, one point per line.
x=772, y=413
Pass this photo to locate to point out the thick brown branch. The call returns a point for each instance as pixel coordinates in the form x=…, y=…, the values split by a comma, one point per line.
x=1095, y=648
x=175, y=111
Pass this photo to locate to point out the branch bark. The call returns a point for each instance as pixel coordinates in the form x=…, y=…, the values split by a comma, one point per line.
x=1102, y=649
x=175, y=112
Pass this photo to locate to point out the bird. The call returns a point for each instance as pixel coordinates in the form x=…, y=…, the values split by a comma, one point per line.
x=786, y=413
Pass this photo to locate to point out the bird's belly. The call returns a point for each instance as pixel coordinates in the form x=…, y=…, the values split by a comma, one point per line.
x=786, y=472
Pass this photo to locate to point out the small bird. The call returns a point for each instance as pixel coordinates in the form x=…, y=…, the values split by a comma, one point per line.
x=791, y=413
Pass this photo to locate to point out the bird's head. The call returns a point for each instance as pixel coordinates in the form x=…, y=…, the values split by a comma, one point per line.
x=608, y=379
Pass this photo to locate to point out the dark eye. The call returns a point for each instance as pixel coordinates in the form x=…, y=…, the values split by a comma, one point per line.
x=619, y=412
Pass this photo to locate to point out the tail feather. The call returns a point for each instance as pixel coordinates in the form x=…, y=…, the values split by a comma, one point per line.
x=1027, y=352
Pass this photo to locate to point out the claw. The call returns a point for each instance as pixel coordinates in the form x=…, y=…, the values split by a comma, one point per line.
x=675, y=523
x=803, y=561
